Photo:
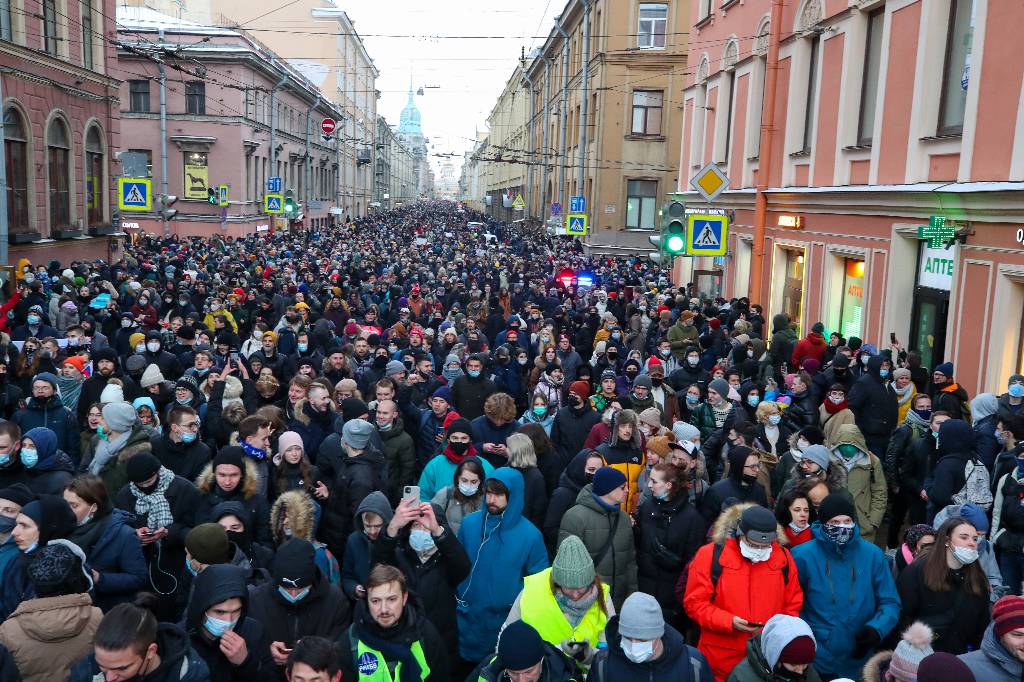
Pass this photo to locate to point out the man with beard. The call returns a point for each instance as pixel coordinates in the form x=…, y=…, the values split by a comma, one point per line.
x=389, y=630
x=105, y=367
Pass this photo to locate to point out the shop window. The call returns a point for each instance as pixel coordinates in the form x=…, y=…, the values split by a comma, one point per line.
x=58, y=149
x=851, y=311
x=793, y=287
x=16, y=148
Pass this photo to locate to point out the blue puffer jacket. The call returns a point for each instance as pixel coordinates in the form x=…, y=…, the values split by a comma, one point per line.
x=117, y=557
x=844, y=591
x=505, y=549
x=53, y=415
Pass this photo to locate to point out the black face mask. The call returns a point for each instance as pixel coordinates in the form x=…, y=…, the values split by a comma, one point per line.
x=748, y=479
x=459, y=448
x=588, y=477
x=380, y=362
x=657, y=381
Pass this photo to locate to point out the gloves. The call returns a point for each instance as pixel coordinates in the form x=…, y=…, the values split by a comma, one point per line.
x=865, y=640
x=582, y=652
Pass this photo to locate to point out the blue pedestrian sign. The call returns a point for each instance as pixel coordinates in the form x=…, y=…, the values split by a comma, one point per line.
x=273, y=203
x=576, y=224
x=274, y=184
x=577, y=205
x=556, y=208
x=134, y=194
x=706, y=235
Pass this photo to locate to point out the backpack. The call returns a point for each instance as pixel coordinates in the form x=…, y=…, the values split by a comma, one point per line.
x=977, y=489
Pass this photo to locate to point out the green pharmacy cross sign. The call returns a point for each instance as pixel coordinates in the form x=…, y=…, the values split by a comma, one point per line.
x=938, y=232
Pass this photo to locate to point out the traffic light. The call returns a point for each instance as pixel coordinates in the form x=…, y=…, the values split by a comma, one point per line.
x=289, y=202
x=165, y=201
x=211, y=196
x=673, y=228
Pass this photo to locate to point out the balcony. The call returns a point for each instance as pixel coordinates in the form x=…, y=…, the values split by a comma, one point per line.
x=363, y=157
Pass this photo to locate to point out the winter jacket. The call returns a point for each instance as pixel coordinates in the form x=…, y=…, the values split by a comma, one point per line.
x=783, y=341
x=763, y=651
x=594, y=523
x=356, y=560
x=427, y=445
x=454, y=510
x=845, y=589
x=956, y=449
x=668, y=534
x=313, y=427
x=469, y=395
x=245, y=492
x=440, y=472
x=956, y=617
x=874, y=404
x=571, y=428
x=179, y=662
x=52, y=414
x=865, y=481
x=114, y=472
x=324, y=612
x=627, y=457
x=900, y=454
x=950, y=397
x=679, y=662
x=433, y=579
x=680, y=338
x=215, y=584
x=1008, y=514
x=752, y=591
x=504, y=550
x=992, y=662
x=732, y=487
x=47, y=636
x=483, y=431
x=812, y=346
x=54, y=470
x=557, y=668
x=400, y=455
x=185, y=460
x=412, y=629
x=113, y=550
x=564, y=497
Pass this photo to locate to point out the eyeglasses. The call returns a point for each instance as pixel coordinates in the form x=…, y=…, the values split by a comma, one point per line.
x=751, y=467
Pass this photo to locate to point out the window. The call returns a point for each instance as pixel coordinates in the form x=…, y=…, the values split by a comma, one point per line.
x=641, y=204
x=647, y=112
x=731, y=78
x=50, y=38
x=16, y=148
x=94, y=175
x=5, y=20
x=956, y=74
x=812, y=82
x=87, y=48
x=195, y=97
x=705, y=9
x=869, y=86
x=137, y=163
x=653, y=25
x=138, y=97
x=58, y=151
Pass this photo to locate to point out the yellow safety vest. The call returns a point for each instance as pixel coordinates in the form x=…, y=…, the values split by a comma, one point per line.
x=539, y=609
x=373, y=668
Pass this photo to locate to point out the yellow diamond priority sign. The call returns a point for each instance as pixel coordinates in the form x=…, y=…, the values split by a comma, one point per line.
x=710, y=181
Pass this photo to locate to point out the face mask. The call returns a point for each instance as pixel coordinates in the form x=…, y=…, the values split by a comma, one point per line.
x=836, y=400
x=841, y=534
x=215, y=306
x=616, y=336
x=540, y=410
x=140, y=348
x=126, y=323
x=864, y=359
x=303, y=347
x=459, y=448
x=1016, y=390
x=883, y=373
x=797, y=528
x=753, y=400
x=749, y=479
x=965, y=555
x=848, y=451
x=217, y=627
x=638, y=652
x=802, y=444
x=665, y=352
x=693, y=361
x=188, y=436
x=522, y=361
x=750, y=353
x=188, y=565
x=182, y=302
x=473, y=373
x=467, y=489
x=692, y=400
x=101, y=433
x=663, y=496
x=420, y=540
x=34, y=320
x=153, y=346
x=31, y=548
x=183, y=401
x=87, y=519
x=774, y=419
x=293, y=598
x=5, y=460
x=754, y=554
x=385, y=426
x=7, y=524
x=29, y=457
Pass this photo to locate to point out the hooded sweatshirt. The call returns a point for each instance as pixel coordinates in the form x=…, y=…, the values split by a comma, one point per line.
x=356, y=562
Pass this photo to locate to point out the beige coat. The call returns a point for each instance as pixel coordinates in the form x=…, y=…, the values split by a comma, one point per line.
x=49, y=635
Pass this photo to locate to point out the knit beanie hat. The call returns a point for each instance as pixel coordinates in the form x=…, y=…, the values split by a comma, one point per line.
x=58, y=569
x=945, y=368
x=913, y=647
x=836, y=505
x=641, y=617
x=135, y=363
x=394, y=367
x=208, y=543
x=444, y=393
x=580, y=388
x=135, y=339
x=294, y=564
x=119, y=416
x=943, y=667
x=520, y=647
x=77, y=362
x=1007, y=614
x=19, y=493
x=288, y=439
x=720, y=386
x=685, y=431
x=353, y=408
x=233, y=455
x=651, y=416
x=52, y=516
x=141, y=466
x=900, y=373
x=818, y=454
x=975, y=515
x=152, y=376
x=643, y=381
x=799, y=651
x=607, y=479
x=111, y=393
x=573, y=566
x=459, y=425
x=609, y=374
x=659, y=445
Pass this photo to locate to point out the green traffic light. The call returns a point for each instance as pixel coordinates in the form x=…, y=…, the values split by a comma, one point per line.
x=675, y=244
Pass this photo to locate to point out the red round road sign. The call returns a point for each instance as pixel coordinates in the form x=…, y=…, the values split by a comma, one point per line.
x=328, y=125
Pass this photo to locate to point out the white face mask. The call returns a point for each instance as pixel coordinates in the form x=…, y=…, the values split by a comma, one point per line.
x=754, y=554
x=153, y=346
x=965, y=555
x=802, y=444
x=638, y=652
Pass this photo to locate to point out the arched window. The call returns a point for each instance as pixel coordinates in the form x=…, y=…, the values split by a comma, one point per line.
x=16, y=149
x=94, y=194
x=58, y=152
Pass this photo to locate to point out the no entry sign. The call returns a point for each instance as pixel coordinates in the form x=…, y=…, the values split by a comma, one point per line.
x=328, y=125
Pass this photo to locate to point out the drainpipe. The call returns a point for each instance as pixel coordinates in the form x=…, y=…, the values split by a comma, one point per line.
x=309, y=162
x=529, y=166
x=565, y=105
x=273, y=120
x=584, y=100
x=544, y=143
x=163, y=137
x=765, y=150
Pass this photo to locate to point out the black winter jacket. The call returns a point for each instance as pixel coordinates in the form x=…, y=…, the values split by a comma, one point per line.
x=669, y=533
x=873, y=403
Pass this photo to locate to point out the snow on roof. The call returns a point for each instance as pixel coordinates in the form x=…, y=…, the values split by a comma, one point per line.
x=146, y=19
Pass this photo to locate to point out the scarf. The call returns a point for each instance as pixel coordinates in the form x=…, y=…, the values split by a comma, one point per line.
x=105, y=451
x=720, y=413
x=254, y=452
x=914, y=419
x=905, y=394
x=70, y=390
x=833, y=408
x=397, y=648
x=574, y=610
x=457, y=459
x=154, y=504
x=451, y=374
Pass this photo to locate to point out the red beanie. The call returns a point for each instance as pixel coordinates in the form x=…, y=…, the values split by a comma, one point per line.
x=799, y=651
x=715, y=323
x=1008, y=614
x=580, y=388
x=654, y=362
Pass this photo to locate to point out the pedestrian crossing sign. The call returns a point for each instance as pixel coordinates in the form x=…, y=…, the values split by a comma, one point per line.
x=518, y=202
x=273, y=203
x=706, y=235
x=134, y=194
x=576, y=223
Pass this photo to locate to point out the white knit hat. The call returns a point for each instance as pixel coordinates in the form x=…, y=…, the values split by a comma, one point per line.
x=151, y=377
x=112, y=393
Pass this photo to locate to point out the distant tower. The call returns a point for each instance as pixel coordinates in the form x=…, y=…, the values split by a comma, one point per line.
x=410, y=120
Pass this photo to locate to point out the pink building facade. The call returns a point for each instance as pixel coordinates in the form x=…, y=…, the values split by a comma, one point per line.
x=228, y=99
x=61, y=126
x=887, y=113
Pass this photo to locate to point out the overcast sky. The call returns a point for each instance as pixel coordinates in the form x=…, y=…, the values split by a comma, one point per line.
x=469, y=73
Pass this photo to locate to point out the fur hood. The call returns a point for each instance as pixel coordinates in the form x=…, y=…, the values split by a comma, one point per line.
x=250, y=483
x=874, y=669
x=726, y=523
x=301, y=516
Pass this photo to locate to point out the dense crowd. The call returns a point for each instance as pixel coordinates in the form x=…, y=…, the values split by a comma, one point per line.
x=427, y=445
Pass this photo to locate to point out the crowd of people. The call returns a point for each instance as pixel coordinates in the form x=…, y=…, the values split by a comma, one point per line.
x=428, y=445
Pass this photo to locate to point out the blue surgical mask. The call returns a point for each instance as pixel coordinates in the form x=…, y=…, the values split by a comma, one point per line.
x=473, y=373
x=692, y=400
x=753, y=400
x=5, y=460
x=32, y=547
x=883, y=373
x=420, y=540
x=293, y=598
x=188, y=566
x=29, y=457
x=1016, y=390
x=663, y=496
x=774, y=419
x=188, y=436
x=34, y=320
x=217, y=627
x=183, y=401
x=303, y=347
x=7, y=523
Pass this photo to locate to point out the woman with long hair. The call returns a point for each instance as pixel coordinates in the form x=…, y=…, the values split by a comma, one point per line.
x=946, y=589
x=523, y=458
x=292, y=468
x=465, y=495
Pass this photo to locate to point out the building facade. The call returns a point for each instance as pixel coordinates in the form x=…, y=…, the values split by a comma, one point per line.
x=471, y=177
x=395, y=182
x=603, y=120
x=60, y=127
x=236, y=116
x=887, y=116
